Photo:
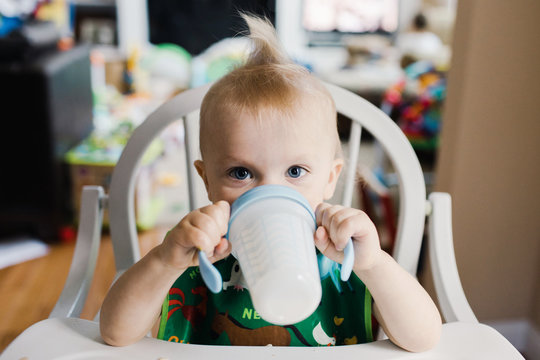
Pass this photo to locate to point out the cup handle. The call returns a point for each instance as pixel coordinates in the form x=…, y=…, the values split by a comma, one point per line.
x=211, y=276
x=348, y=261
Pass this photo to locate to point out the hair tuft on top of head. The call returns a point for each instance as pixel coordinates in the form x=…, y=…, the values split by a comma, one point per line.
x=269, y=86
x=266, y=46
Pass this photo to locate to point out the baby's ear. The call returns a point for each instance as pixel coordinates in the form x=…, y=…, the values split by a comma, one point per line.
x=330, y=187
x=199, y=165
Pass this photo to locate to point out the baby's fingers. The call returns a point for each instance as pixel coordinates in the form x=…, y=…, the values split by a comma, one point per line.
x=337, y=221
x=209, y=226
x=344, y=224
x=324, y=213
x=219, y=212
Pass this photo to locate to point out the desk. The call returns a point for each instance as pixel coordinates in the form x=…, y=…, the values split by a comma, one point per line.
x=368, y=78
x=71, y=338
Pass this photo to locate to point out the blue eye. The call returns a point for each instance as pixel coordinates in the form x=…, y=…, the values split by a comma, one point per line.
x=240, y=173
x=295, y=171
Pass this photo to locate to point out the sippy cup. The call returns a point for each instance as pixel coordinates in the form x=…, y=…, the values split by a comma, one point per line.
x=271, y=231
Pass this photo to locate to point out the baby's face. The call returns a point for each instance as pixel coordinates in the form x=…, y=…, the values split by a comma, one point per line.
x=240, y=155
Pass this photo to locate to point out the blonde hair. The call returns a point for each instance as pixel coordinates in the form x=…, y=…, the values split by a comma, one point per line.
x=269, y=81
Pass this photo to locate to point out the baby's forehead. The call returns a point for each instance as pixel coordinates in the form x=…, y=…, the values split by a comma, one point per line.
x=307, y=118
x=266, y=129
x=306, y=111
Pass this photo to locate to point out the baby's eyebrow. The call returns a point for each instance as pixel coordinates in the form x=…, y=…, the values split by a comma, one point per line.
x=230, y=161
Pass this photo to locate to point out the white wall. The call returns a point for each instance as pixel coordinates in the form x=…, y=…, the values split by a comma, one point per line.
x=132, y=25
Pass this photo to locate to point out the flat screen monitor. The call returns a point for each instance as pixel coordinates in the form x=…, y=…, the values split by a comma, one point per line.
x=327, y=21
x=197, y=24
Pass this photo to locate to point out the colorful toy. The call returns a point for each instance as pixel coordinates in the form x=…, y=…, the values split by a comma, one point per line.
x=419, y=117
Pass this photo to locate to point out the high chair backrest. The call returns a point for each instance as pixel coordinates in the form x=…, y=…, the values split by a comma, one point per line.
x=412, y=192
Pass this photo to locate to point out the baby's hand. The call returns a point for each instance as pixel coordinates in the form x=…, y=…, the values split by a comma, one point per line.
x=336, y=225
x=202, y=229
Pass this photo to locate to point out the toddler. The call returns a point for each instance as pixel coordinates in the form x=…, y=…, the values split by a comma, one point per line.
x=268, y=122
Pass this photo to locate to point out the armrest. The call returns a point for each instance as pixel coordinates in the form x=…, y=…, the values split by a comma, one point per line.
x=73, y=296
x=452, y=299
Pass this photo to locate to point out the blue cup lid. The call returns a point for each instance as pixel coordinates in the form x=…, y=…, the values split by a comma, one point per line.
x=268, y=191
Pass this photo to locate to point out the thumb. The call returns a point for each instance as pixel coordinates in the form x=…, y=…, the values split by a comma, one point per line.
x=223, y=205
x=321, y=238
x=223, y=220
x=325, y=245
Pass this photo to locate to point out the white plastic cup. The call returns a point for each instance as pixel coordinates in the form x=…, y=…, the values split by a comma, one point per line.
x=271, y=231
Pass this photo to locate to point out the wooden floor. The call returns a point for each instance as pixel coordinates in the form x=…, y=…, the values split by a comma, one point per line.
x=28, y=291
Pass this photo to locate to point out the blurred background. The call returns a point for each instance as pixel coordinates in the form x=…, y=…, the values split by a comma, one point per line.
x=460, y=78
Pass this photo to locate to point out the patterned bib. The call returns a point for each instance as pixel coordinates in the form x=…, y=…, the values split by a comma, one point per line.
x=193, y=314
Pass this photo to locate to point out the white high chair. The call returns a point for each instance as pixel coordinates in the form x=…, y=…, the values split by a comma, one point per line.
x=412, y=199
x=413, y=209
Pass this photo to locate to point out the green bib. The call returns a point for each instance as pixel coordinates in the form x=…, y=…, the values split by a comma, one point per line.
x=193, y=314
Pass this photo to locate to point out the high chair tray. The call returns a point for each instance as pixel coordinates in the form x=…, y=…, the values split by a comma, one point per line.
x=71, y=338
